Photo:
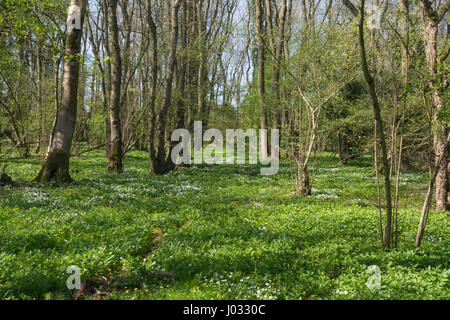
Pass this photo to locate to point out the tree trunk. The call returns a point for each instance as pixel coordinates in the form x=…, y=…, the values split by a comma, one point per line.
x=387, y=234
x=341, y=148
x=442, y=179
x=304, y=185
x=153, y=86
x=39, y=66
x=431, y=21
x=202, y=72
x=159, y=164
x=115, y=153
x=426, y=203
x=276, y=40
x=56, y=164
x=261, y=87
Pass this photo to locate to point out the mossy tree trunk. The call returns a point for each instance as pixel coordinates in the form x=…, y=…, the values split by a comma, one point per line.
x=56, y=164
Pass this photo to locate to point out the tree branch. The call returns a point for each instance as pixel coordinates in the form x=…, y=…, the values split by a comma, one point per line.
x=351, y=7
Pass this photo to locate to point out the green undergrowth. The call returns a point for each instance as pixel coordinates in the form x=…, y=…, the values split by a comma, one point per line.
x=230, y=233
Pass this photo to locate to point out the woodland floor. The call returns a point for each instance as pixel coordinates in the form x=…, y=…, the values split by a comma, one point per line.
x=230, y=234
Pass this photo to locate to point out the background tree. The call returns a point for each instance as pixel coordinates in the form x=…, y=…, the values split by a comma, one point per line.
x=115, y=153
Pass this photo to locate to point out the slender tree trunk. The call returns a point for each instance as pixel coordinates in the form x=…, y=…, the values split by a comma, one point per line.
x=342, y=156
x=387, y=234
x=261, y=86
x=108, y=76
x=153, y=87
x=202, y=68
x=115, y=153
x=404, y=26
x=39, y=66
x=159, y=166
x=180, y=119
x=104, y=86
x=276, y=40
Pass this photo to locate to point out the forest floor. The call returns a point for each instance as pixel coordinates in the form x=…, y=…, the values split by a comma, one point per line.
x=229, y=233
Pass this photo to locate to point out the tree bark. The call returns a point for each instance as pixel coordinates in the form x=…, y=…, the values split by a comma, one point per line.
x=153, y=88
x=159, y=165
x=426, y=203
x=115, y=153
x=304, y=185
x=276, y=40
x=431, y=20
x=387, y=234
x=261, y=86
x=56, y=163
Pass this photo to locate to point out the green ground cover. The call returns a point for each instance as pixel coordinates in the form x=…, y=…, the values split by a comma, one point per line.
x=230, y=233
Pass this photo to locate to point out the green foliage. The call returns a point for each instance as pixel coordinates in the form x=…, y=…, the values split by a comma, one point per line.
x=41, y=18
x=229, y=234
